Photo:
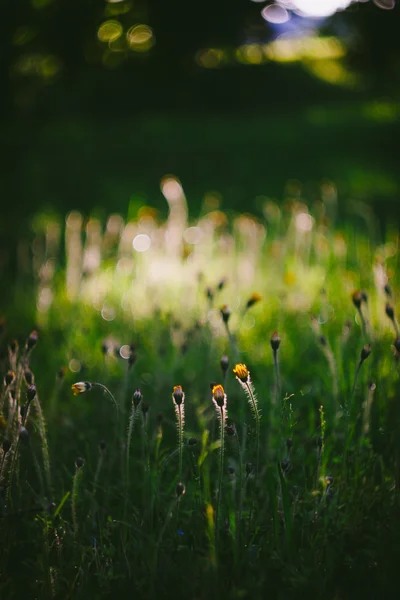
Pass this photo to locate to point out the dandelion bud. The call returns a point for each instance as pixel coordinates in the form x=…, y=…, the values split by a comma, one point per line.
x=231, y=471
x=254, y=298
x=357, y=298
x=365, y=352
x=102, y=445
x=31, y=393
x=275, y=341
x=79, y=462
x=32, y=340
x=137, y=397
x=387, y=290
x=225, y=313
x=6, y=445
x=224, y=362
x=241, y=372
x=9, y=378
x=209, y=293
x=364, y=296
x=219, y=395
x=28, y=375
x=23, y=434
x=178, y=396
x=81, y=387
x=323, y=341
x=389, y=311
x=180, y=489
x=249, y=468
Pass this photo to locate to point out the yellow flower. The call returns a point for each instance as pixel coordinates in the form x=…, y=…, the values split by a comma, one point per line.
x=218, y=394
x=81, y=387
x=177, y=395
x=254, y=298
x=241, y=372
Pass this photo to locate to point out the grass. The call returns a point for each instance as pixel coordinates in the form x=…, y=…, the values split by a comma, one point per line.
x=296, y=494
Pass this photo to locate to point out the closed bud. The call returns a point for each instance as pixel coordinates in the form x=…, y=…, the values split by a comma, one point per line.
x=275, y=341
x=32, y=340
x=221, y=284
x=79, y=462
x=357, y=298
x=365, y=352
x=364, y=296
x=177, y=395
x=145, y=406
x=224, y=362
x=137, y=397
x=6, y=445
x=209, y=293
x=387, y=290
x=218, y=394
x=230, y=430
x=225, y=313
x=23, y=434
x=9, y=378
x=28, y=375
x=231, y=471
x=180, y=489
x=254, y=298
x=31, y=393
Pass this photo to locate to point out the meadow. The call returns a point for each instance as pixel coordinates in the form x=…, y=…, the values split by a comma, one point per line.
x=202, y=408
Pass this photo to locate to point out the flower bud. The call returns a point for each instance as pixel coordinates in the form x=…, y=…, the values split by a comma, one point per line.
x=180, y=489
x=365, y=352
x=31, y=393
x=275, y=341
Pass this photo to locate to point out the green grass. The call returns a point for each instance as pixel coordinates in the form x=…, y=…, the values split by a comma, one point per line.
x=309, y=507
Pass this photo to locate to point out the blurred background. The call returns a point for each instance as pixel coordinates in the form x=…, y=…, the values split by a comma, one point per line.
x=241, y=100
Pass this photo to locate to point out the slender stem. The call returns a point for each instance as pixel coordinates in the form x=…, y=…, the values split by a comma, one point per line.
x=128, y=445
x=354, y=387
x=277, y=378
x=75, y=489
x=363, y=323
x=180, y=440
x=257, y=419
x=221, y=472
x=105, y=389
x=240, y=508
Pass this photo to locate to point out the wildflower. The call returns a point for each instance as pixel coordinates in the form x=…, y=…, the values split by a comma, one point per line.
x=224, y=362
x=357, y=298
x=9, y=378
x=81, y=387
x=241, y=372
x=275, y=341
x=254, y=298
x=365, y=352
x=219, y=396
x=137, y=397
x=225, y=313
x=31, y=393
x=178, y=396
x=180, y=489
x=32, y=340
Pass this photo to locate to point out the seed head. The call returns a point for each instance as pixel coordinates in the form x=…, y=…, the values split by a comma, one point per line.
x=32, y=340
x=6, y=445
x=137, y=397
x=9, y=378
x=79, y=462
x=254, y=298
x=225, y=313
x=365, y=352
x=224, y=362
x=177, y=395
x=357, y=298
x=31, y=393
x=218, y=394
x=389, y=311
x=81, y=387
x=180, y=489
x=275, y=341
x=241, y=372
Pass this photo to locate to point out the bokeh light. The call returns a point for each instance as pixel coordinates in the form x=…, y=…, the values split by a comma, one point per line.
x=140, y=38
x=109, y=31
